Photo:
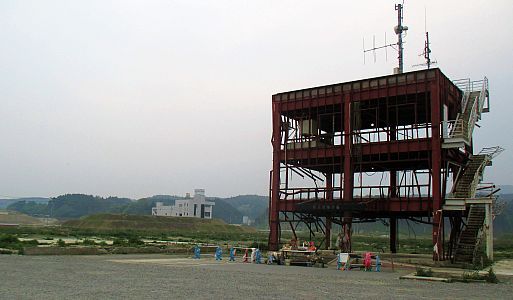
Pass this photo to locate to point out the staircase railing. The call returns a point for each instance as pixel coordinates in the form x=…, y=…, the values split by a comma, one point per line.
x=483, y=96
x=477, y=245
x=488, y=154
x=477, y=177
x=475, y=115
x=463, y=126
x=479, y=235
x=491, y=152
x=453, y=129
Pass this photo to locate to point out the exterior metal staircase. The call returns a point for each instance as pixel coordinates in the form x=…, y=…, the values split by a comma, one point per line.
x=458, y=133
x=465, y=121
x=464, y=196
x=469, y=241
x=467, y=184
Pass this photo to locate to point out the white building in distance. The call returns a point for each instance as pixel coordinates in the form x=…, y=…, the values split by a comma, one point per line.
x=247, y=221
x=196, y=207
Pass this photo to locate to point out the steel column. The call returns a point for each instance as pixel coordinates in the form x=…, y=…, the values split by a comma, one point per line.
x=436, y=166
x=274, y=223
x=329, y=198
x=393, y=235
x=488, y=230
x=348, y=142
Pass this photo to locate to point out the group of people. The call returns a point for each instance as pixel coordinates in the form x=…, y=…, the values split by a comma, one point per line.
x=344, y=262
x=255, y=256
x=308, y=246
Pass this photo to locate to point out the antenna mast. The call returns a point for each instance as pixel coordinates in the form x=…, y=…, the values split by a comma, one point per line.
x=427, y=51
x=399, y=29
x=427, y=48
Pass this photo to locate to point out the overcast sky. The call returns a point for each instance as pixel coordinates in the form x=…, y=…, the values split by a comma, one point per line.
x=136, y=98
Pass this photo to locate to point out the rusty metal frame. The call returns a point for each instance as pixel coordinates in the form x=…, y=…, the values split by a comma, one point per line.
x=399, y=144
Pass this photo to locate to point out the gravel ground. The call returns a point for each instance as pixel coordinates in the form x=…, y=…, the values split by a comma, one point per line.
x=164, y=276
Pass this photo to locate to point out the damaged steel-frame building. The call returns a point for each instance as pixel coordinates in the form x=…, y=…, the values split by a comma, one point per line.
x=386, y=148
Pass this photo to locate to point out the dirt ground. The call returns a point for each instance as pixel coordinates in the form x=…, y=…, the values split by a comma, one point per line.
x=171, y=277
x=504, y=267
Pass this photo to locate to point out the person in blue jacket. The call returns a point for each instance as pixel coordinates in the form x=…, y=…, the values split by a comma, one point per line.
x=232, y=254
x=258, y=256
x=219, y=253
x=197, y=252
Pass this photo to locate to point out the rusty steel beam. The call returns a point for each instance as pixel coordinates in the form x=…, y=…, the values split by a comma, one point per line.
x=414, y=204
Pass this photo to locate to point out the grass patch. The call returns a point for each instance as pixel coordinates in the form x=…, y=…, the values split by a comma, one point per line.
x=489, y=277
x=503, y=247
x=88, y=242
x=10, y=241
x=130, y=242
x=150, y=227
x=471, y=276
x=424, y=272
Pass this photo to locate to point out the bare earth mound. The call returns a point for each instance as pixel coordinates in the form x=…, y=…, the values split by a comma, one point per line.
x=10, y=217
x=106, y=222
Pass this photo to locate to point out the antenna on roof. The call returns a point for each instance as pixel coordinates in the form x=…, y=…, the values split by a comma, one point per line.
x=427, y=48
x=399, y=30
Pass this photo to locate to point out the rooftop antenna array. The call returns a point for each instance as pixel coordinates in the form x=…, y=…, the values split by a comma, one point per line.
x=399, y=30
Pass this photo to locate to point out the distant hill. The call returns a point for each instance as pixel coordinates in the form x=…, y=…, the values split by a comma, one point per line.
x=225, y=211
x=252, y=206
x=72, y=206
x=143, y=206
x=6, y=202
x=153, y=224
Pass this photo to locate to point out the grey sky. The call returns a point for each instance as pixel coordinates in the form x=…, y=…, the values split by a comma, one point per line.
x=135, y=98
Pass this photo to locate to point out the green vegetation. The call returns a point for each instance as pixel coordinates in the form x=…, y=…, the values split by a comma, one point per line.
x=9, y=241
x=420, y=245
x=108, y=226
x=252, y=206
x=131, y=242
x=503, y=246
x=29, y=208
x=71, y=206
x=119, y=225
x=88, y=242
x=471, y=276
x=6, y=202
x=424, y=272
x=489, y=277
